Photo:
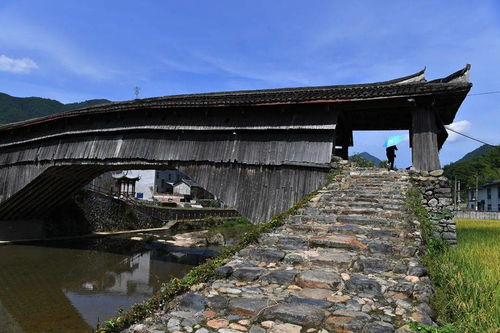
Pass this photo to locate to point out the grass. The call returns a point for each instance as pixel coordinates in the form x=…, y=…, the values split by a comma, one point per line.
x=234, y=228
x=467, y=277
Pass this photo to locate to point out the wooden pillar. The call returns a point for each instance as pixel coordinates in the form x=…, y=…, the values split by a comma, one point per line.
x=425, y=151
x=344, y=152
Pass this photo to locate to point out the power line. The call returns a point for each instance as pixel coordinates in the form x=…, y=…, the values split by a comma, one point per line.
x=470, y=137
x=485, y=93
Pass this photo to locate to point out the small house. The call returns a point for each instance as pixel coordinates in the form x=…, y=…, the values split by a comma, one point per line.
x=488, y=197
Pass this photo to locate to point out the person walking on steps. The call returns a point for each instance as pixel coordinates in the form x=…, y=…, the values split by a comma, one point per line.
x=391, y=155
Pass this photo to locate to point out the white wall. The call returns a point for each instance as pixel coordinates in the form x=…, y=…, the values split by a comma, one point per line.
x=168, y=176
x=146, y=183
x=182, y=189
x=494, y=201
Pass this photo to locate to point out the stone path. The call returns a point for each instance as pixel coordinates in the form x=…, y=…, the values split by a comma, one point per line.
x=347, y=262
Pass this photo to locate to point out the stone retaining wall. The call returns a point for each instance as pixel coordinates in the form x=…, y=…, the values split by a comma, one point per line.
x=106, y=213
x=436, y=198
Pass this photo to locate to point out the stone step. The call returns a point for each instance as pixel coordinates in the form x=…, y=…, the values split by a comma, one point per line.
x=337, y=242
x=366, y=220
x=333, y=200
x=361, y=204
x=366, y=192
x=389, y=188
x=360, y=195
x=302, y=230
x=389, y=185
x=382, y=213
x=368, y=211
x=371, y=175
x=372, y=221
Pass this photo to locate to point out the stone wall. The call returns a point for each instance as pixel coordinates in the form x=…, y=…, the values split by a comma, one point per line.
x=105, y=213
x=436, y=198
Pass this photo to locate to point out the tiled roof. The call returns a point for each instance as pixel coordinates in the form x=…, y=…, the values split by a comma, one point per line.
x=414, y=84
x=411, y=85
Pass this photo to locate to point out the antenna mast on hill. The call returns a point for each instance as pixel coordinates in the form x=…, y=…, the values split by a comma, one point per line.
x=137, y=90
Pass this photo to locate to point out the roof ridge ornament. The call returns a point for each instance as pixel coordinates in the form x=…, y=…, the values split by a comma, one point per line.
x=461, y=76
x=415, y=78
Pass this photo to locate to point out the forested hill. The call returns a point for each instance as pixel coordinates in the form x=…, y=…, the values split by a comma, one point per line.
x=484, y=161
x=368, y=157
x=14, y=109
x=476, y=152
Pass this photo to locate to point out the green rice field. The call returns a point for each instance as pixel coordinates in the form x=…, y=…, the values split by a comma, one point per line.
x=467, y=278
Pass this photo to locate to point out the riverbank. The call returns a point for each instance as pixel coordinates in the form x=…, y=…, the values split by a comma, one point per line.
x=173, y=226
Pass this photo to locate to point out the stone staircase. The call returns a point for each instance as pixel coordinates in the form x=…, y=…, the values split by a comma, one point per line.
x=346, y=262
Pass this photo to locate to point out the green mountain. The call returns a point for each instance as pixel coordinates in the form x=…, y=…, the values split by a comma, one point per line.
x=367, y=157
x=475, y=153
x=485, y=162
x=14, y=109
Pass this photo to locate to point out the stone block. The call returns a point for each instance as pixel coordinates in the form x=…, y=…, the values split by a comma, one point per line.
x=436, y=173
x=299, y=314
x=247, y=306
x=360, y=283
x=248, y=273
x=192, y=302
x=319, y=279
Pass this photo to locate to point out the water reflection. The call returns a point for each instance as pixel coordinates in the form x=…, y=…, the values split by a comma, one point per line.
x=70, y=286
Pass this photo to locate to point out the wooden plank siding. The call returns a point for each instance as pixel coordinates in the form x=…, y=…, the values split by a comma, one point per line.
x=43, y=170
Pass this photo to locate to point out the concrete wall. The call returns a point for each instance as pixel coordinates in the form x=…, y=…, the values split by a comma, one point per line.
x=478, y=215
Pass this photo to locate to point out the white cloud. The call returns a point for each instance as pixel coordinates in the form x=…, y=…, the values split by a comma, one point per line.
x=24, y=65
x=21, y=35
x=460, y=126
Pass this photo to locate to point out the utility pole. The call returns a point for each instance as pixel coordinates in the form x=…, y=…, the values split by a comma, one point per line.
x=459, y=200
x=477, y=192
x=455, y=193
x=137, y=90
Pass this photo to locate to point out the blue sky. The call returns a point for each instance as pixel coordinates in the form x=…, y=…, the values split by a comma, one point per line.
x=73, y=50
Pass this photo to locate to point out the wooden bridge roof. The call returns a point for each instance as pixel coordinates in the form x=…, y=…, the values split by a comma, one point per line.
x=452, y=89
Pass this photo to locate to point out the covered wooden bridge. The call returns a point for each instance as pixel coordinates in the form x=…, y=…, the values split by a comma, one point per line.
x=260, y=150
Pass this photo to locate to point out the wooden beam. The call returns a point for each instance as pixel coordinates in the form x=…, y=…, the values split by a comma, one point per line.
x=425, y=151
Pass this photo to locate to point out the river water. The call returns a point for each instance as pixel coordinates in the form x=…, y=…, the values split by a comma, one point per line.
x=69, y=286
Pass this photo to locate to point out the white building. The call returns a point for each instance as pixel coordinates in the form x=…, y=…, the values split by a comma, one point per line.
x=488, y=198
x=165, y=180
x=168, y=186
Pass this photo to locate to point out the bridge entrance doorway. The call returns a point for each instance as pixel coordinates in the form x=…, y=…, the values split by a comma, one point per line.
x=370, y=145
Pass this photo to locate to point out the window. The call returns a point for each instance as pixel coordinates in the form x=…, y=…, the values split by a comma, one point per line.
x=488, y=193
x=489, y=207
x=498, y=207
